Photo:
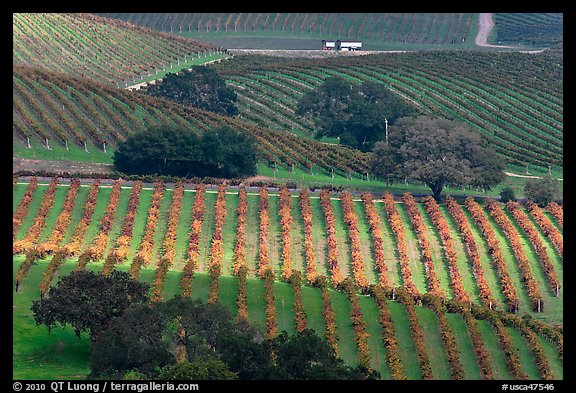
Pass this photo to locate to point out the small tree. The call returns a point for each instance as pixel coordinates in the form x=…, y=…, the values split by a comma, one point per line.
x=200, y=87
x=542, y=191
x=507, y=194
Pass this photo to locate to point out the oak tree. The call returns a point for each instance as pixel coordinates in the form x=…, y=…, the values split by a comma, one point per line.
x=437, y=152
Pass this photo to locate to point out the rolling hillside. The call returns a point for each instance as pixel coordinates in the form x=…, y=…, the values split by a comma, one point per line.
x=89, y=46
x=514, y=99
x=533, y=29
x=63, y=113
x=464, y=289
x=306, y=30
x=166, y=236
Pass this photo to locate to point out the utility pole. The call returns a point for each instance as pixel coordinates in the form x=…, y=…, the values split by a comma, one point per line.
x=386, y=122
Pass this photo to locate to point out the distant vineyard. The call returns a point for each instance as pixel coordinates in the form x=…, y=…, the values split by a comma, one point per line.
x=529, y=29
x=51, y=109
x=274, y=238
x=412, y=28
x=89, y=46
x=514, y=99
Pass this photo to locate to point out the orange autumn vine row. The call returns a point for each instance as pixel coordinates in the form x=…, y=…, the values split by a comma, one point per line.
x=22, y=208
x=557, y=211
x=270, y=308
x=512, y=361
x=547, y=227
x=97, y=250
x=333, y=253
x=144, y=255
x=479, y=348
x=299, y=313
x=328, y=313
x=508, y=288
x=450, y=346
x=240, y=246
x=240, y=268
x=169, y=251
x=512, y=234
x=57, y=236
x=356, y=253
x=76, y=243
x=193, y=251
x=464, y=227
x=34, y=232
x=263, y=258
x=425, y=249
x=120, y=253
x=406, y=298
x=377, y=242
x=306, y=213
x=393, y=358
x=534, y=239
x=63, y=221
x=396, y=224
x=442, y=226
x=216, y=250
x=285, y=226
x=358, y=323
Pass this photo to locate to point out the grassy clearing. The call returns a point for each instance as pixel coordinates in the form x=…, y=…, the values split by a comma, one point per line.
x=35, y=353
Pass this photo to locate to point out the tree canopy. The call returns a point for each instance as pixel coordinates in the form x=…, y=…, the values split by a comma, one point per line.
x=89, y=302
x=185, y=338
x=175, y=151
x=437, y=152
x=356, y=114
x=200, y=87
x=542, y=191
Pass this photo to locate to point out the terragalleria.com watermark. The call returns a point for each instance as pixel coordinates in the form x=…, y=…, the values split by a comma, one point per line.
x=101, y=387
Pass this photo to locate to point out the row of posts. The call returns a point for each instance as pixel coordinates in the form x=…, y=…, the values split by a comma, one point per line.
x=165, y=67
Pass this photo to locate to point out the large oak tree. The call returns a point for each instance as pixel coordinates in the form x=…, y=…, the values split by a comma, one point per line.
x=437, y=152
x=357, y=114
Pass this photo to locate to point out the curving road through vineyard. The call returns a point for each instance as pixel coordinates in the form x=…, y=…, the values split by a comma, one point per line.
x=485, y=26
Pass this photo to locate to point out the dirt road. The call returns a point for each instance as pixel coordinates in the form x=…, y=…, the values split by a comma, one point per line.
x=59, y=167
x=485, y=26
